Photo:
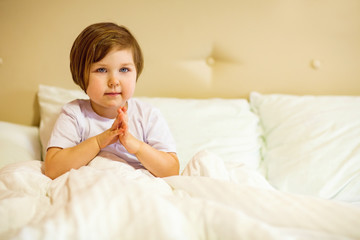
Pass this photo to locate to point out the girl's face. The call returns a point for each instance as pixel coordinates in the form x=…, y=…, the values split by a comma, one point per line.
x=112, y=82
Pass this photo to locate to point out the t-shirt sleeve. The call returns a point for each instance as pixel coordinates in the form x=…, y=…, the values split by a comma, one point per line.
x=158, y=134
x=66, y=131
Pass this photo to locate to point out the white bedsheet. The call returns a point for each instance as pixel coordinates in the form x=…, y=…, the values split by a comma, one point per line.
x=110, y=200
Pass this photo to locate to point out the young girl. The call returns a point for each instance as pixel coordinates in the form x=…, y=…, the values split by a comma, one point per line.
x=105, y=61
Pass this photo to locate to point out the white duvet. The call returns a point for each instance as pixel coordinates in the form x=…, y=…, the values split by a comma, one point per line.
x=110, y=200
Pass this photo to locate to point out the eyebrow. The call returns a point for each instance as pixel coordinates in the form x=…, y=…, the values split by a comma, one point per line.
x=103, y=64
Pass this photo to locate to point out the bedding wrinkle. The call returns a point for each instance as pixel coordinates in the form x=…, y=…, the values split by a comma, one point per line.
x=309, y=213
x=344, y=192
x=219, y=218
x=23, y=196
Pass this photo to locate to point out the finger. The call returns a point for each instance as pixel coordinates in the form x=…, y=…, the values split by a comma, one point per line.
x=124, y=119
x=123, y=116
x=124, y=109
x=117, y=123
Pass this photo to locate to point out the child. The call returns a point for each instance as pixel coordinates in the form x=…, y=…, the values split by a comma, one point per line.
x=105, y=61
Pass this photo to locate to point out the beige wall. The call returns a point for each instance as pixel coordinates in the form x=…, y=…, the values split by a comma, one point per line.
x=261, y=45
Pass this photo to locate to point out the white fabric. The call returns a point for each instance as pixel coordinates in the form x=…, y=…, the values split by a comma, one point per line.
x=312, y=144
x=78, y=122
x=18, y=143
x=219, y=196
x=227, y=127
x=51, y=100
x=110, y=200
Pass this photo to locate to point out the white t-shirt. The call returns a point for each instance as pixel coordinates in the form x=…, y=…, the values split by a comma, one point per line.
x=78, y=122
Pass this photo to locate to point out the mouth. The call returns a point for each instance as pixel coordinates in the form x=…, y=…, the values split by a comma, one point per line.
x=112, y=93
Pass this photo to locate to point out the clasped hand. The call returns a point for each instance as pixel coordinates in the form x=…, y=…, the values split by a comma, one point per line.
x=119, y=131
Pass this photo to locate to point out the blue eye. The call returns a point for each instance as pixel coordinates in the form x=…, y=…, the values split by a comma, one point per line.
x=124, y=70
x=101, y=70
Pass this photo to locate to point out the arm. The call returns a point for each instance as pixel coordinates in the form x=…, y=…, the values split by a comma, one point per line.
x=159, y=163
x=58, y=160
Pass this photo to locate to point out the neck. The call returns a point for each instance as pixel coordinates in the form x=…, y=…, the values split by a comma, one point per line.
x=110, y=113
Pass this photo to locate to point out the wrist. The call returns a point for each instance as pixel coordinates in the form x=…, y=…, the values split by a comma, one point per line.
x=98, y=142
x=140, y=146
x=132, y=144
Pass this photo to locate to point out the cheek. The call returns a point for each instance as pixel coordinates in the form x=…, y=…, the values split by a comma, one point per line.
x=130, y=87
x=93, y=89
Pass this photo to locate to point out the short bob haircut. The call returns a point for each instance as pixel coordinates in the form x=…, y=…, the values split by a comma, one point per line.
x=92, y=45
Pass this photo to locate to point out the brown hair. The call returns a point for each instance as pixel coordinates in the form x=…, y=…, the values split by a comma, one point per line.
x=92, y=45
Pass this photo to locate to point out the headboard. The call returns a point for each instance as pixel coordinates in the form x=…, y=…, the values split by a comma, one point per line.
x=192, y=49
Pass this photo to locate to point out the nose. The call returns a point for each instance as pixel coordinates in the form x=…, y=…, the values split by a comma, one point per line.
x=113, y=81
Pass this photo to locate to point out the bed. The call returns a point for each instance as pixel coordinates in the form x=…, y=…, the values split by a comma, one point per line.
x=262, y=98
x=273, y=166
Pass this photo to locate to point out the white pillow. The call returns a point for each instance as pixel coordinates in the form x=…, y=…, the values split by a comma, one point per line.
x=18, y=143
x=312, y=144
x=225, y=127
x=51, y=99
